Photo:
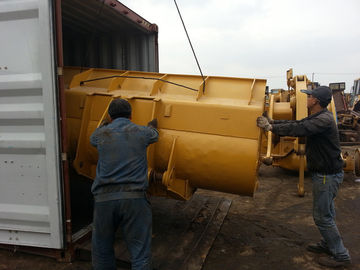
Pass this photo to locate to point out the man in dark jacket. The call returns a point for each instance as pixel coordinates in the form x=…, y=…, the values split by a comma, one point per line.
x=120, y=188
x=323, y=156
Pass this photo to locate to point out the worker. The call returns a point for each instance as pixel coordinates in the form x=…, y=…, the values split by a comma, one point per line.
x=120, y=188
x=324, y=162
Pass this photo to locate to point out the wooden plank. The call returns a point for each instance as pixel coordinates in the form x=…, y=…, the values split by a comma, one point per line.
x=192, y=247
x=198, y=254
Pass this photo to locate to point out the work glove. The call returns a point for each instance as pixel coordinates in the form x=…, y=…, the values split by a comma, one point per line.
x=153, y=123
x=263, y=122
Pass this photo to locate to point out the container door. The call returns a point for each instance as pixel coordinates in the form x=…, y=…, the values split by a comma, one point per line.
x=30, y=186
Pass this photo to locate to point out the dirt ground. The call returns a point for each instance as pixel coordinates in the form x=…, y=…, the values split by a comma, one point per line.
x=271, y=230
x=268, y=231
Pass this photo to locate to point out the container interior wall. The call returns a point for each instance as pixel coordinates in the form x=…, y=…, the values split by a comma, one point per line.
x=109, y=50
x=96, y=35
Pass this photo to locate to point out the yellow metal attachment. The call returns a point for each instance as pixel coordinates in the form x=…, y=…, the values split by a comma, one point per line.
x=288, y=152
x=268, y=160
x=207, y=139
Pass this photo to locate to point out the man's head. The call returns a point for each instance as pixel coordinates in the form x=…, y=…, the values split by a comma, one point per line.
x=322, y=94
x=119, y=108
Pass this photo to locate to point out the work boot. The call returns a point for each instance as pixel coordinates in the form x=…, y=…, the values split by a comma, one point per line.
x=333, y=262
x=318, y=248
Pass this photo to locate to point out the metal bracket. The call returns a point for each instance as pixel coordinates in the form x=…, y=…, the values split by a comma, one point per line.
x=64, y=157
x=171, y=165
x=60, y=71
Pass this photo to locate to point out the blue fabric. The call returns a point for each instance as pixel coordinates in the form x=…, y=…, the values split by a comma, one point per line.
x=134, y=218
x=325, y=188
x=122, y=163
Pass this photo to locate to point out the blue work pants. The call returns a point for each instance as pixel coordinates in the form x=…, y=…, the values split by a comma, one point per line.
x=134, y=217
x=325, y=188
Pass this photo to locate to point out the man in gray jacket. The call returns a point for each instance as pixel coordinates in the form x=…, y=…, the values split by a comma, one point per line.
x=323, y=157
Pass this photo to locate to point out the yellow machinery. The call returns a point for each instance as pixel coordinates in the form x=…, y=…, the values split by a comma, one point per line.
x=289, y=152
x=208, y=135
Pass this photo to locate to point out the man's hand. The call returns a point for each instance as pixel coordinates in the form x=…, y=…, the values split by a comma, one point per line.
x=263, y=122
x=153, y=123
x=105, y=122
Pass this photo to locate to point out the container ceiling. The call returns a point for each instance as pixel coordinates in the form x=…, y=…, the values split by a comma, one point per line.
x=103, y=16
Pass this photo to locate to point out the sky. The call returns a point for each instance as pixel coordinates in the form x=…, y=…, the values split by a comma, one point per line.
x=258, y=38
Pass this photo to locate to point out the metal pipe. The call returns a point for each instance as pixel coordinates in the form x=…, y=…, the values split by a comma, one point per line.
x=268, y=160
x=301, y=190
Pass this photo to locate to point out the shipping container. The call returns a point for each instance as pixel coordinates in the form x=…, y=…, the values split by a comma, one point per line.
x=44, y=206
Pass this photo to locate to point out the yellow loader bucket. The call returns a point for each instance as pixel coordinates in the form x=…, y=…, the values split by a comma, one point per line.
x=208, y=135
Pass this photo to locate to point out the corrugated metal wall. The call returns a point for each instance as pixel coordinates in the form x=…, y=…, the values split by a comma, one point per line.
x=114, y=51
x=96, y=35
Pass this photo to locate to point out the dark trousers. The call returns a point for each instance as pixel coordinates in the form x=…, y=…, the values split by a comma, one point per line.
x=134, y=218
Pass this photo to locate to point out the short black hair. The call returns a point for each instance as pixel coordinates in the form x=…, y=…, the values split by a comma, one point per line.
x=119, y=108
x=323, y=104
